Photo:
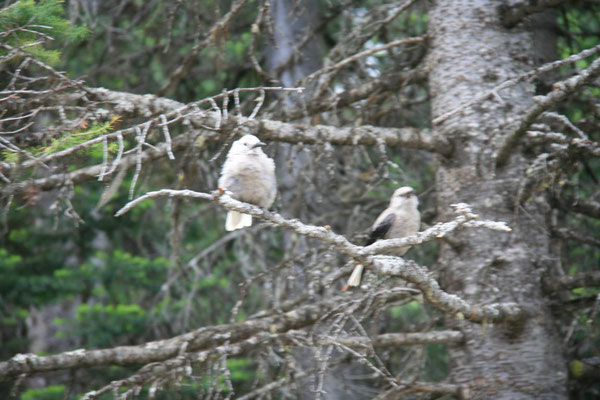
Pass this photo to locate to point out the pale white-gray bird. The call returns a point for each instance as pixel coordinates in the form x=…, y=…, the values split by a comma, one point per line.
x=400, y=219
x=249, y=174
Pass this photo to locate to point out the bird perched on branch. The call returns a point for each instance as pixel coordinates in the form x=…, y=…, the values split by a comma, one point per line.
x=400, y=219
x=249, y=174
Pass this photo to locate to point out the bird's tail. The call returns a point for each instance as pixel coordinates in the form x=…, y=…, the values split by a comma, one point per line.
x=236, y=220
x=354, y=279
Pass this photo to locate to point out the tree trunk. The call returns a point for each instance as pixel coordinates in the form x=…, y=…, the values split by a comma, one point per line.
x=471, y=52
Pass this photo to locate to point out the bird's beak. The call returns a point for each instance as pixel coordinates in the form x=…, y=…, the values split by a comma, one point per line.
x=259, y=144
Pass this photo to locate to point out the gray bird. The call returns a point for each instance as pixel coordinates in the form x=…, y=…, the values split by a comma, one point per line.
x=249, y=174
x=400, y=219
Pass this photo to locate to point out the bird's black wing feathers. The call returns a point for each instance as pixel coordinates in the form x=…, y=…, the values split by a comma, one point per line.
x=381, y=229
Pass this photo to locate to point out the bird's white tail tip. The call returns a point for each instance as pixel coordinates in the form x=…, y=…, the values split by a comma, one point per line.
x=354, y=279
x=236, y=220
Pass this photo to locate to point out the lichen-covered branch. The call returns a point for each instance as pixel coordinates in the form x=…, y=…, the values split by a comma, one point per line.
x=92, y=172
x=296, y=318
x=402, y=339
x=158, y=109
x=149, y=105
x=585, y=146
x=449, y=303
x=181, y=365
x=386, y=265
x=197, y=340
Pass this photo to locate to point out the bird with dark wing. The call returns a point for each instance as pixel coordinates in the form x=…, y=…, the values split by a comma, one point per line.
x=400, y=219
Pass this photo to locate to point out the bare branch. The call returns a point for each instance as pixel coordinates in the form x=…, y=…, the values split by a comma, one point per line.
x=165, y=128
x=402, y=339
x=568, y=282
x=566, y=123
x=200, y=339
x=365, y=53
x=177, y=367
x=216, y=33
x=273, y=385
x=514, y=13
x=494, y=92
x=584, y=145
x=587, y=207
x=412, y=138
x=155, y=108
x=451, y=304
x=561, y=91
x=90, y=173
x=465, y=218
x=422, y=387
x=391, y=81
x=570, y=234
x=276, y=130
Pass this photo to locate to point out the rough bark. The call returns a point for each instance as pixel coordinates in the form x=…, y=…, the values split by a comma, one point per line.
x=472, y=52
